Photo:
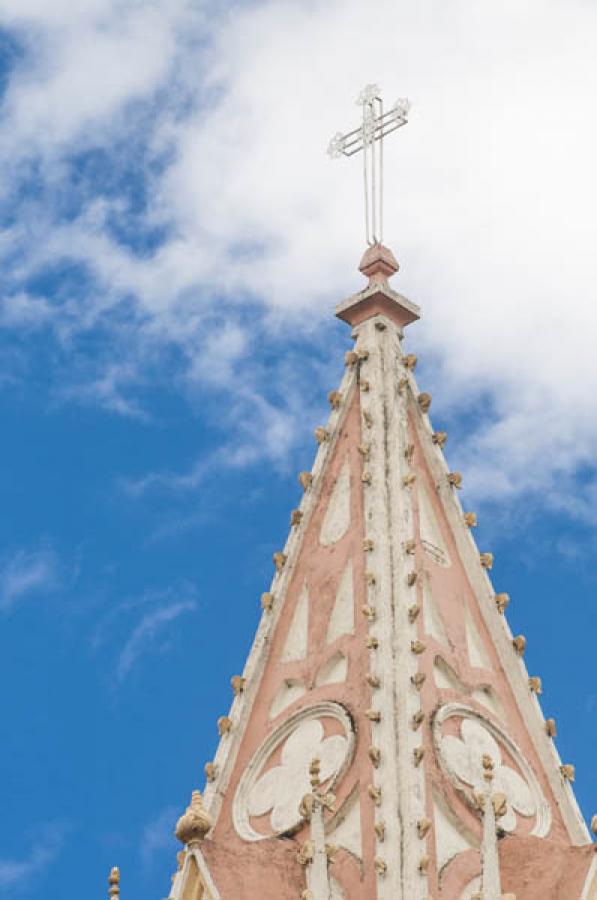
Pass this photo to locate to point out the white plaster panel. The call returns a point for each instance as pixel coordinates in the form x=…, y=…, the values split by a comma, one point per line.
x=432, y=617
x=345, y=828
x=290, y=690
x=445, y=677
x=451, y=836
x=296, y=644
x=342, y=618
x=487, y=697
x=432, y=539
x=337, y=517
x=477, y=653
x=333, y=670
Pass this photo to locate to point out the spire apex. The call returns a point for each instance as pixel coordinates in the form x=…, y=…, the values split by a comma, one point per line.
x=378, y=264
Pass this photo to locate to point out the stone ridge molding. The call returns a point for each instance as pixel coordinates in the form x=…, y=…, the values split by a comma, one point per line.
x=452, y=710
x=389, y=522
x=324, y=709
x=181, y=877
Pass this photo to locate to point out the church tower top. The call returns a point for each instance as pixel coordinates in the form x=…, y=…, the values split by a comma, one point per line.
x=385, y=706
x=378, y=264
x=382, y=678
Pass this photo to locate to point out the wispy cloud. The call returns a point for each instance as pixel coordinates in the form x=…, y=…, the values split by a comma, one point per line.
x=257, y=422
x=26, y=573
x=148, y=633
x=24, y=311
x=143, y=625
x=158, y=834
x=17, y=874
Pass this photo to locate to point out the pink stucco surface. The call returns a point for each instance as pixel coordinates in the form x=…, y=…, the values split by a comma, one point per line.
x=262, y=871
x=536, y=869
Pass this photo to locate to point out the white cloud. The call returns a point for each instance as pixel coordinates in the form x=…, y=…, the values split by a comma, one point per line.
x=149, y=633
x=17, y=874
x=86, y=62
x=25, y=573
x=158, y=834
x=23, y=310
x=490, y=197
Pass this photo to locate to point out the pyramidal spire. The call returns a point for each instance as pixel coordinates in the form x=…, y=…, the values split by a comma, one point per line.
x=382, y=678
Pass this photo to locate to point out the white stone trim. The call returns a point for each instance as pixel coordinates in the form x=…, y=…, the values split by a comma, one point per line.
x=242, y=705
x=389, y=523
x=324, y=709
x=500, y=632
x=590, y=888
x=318, y=874
x=180, y=879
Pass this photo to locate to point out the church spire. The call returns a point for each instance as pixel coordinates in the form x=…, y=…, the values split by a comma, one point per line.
x=383, y=651
x=384, y=685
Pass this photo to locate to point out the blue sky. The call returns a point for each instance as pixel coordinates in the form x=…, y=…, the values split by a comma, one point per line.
x=172, y=243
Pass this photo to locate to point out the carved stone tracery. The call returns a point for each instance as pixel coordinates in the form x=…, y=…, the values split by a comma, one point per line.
x=278, y=789
x=460, y=757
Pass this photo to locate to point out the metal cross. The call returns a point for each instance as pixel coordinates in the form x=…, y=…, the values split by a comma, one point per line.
x=368, y=137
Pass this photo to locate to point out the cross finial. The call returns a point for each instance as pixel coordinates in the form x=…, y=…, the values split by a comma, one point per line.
x=368, y=137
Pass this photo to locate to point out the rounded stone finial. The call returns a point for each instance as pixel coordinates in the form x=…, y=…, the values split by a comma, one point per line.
x=486, y=560
x=424, y=401
x=378, y=263
x=501, y=601
x=535, y=684
x=114, y=882
x=519, y=643
x=195, y=823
